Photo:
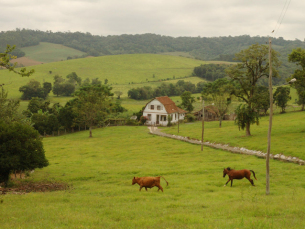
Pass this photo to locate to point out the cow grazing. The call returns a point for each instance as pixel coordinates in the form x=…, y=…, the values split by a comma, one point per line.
x=148, y=182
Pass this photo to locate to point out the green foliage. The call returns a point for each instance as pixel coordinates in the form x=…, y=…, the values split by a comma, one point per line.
x=74, y=78
x=210, y=72
x=116, y=107
x=92, y=104
x=245, y=116
x=21, y=149
x=281, y=97
x=190, y=118
x=37, y=104
x=187, y=101
x=298, y=56
x=8, y=108
x=219, y=92
x=34, y=89
x=253, y=66
x=146, y=92
x=65, y=88
x=261, y=99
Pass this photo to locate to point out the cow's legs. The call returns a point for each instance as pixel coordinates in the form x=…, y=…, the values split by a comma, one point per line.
x=227, y=181
x=145, y=188
x=140, y=188
x=160, y=187
x=251, y=181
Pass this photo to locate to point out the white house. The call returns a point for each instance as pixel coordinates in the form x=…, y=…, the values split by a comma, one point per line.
x=158, y=109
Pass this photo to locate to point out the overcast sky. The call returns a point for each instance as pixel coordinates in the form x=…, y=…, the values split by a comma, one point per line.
x=175, y=18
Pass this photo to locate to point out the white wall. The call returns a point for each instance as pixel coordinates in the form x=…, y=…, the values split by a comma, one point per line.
x=154, y=112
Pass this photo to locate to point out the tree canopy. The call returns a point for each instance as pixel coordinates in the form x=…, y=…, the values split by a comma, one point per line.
x=21, y=149
x=253, y=65
x=298, y=56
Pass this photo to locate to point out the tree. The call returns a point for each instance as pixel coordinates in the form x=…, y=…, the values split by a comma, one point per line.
x=261, y=99
x=220, y=93
x=74, y=78
x=21, y=148
x=281, y=97
x=8, y=108
x=245, y=116
x=118, y=94
x=298, y=56
x=47, y=87
x=187, y=101
x=93, y=104
x=253, y=65
x=34, y=89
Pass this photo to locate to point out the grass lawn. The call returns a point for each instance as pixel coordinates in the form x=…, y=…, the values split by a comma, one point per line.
x=101, y=169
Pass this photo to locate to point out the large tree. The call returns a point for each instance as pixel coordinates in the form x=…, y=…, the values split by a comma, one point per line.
x=298, y=56
x=21, y=148
x=253, y=65
x=92, y=104
x=219, y=92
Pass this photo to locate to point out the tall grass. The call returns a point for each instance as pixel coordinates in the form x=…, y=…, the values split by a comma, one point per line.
x=101, y=169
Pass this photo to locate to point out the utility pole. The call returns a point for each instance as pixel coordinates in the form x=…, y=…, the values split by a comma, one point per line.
x=202, y=124
x=178, y=122
x=270, y=121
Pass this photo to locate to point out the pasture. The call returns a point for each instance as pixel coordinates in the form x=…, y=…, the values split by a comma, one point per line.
x=47, y=52
x=100, y=170
x=287, y=135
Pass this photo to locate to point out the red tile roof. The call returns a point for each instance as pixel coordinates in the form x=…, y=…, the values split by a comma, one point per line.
x=169, y=105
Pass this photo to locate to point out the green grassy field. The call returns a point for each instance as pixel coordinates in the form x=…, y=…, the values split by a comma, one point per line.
x=127, y=70
x=287, y=136
x=48, y=52
x=101, y=169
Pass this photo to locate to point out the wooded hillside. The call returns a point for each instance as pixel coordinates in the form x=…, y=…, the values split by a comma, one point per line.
x=204, y=48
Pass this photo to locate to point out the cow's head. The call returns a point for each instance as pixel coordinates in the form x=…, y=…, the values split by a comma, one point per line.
x=134, y=180
x=225, y=172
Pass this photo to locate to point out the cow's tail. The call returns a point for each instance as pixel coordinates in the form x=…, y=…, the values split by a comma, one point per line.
x=253, y=174
x=164, y=179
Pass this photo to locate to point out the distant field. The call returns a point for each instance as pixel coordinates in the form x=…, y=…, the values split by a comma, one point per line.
x=119, y=70
x=48, y=52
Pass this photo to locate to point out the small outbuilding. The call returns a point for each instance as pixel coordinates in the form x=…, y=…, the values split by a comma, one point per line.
x=160, y=109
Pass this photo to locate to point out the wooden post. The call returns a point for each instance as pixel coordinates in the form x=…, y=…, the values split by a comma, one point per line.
x=270, y=121
x=202, y=125
x=178, y=122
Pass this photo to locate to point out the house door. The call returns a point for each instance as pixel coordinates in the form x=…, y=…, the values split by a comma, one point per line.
x=157, y=121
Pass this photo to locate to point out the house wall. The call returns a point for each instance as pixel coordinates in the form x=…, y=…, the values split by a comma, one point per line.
x=158, y=115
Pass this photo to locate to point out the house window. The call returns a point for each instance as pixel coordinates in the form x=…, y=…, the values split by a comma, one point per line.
x=163, y=118
x=159, y=108
x=149, y=117
x=152, y=107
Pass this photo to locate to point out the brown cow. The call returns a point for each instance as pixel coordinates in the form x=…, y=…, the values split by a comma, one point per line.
x=148, y=182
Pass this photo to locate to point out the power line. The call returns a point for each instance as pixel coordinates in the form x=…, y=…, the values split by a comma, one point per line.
x=281, y=17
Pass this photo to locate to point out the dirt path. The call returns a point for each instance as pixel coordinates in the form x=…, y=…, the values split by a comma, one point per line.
x=156, y=131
